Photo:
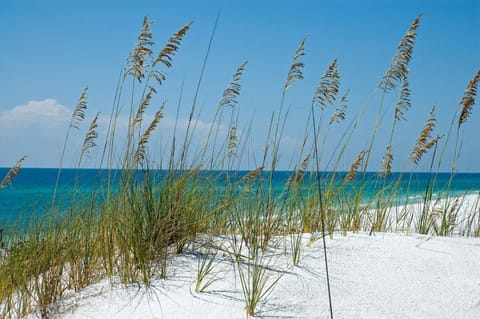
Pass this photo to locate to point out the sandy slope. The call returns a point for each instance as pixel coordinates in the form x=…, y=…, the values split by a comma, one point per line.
x=380, y=276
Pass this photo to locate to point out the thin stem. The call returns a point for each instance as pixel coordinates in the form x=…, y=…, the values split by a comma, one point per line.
x=322, y=215
x=197, y=90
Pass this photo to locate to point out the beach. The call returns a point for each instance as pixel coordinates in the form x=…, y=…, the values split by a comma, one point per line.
x=378, y=275
x=252, y=183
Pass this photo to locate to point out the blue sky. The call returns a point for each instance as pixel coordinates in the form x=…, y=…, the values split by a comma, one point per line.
x=52, y=49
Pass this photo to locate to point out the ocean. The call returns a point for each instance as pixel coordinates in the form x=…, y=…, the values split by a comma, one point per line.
x=32, y=190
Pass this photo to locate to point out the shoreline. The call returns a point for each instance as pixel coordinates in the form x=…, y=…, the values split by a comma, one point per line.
x=463, y=211
x=392, y=274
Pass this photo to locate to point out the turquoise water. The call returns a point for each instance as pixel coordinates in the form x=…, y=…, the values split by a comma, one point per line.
x=32, y=190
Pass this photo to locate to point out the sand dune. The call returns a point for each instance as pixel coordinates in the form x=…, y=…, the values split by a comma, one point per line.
x=385, y=275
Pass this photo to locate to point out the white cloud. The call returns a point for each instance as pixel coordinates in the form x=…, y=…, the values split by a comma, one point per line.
x=36, y=129
x=44, y=113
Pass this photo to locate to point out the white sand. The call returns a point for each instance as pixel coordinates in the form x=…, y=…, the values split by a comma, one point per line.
x=386, y=275
x=464, y=211
x=380, y=276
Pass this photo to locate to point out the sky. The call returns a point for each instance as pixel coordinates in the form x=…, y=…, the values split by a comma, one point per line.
x=51, y=50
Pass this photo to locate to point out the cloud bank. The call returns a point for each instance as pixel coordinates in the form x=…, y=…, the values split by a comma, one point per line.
x=45, y=113
x=36, y=129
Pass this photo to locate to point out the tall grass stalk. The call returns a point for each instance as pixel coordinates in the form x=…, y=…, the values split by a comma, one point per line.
x=78, y=116
x=12, y=173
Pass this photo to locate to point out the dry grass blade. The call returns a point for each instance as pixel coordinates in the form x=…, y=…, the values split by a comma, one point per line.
x=387, y=161
x=78, y=114
x=230, y=94
x=341, y=111
x=143, y=106
x=12, y=172
x=425, y=140
x=139, y=57
x=327, y=90
x=295, y=72
x=468, y=99
x=433, y=141
x=91, y=136
x=252, y=175
x=299, y=172
x=140, y=152
x=399, y=67
x=166, y=55
x=232, y=142
x=404, y=102
x=171, y=47
x=352, y=172
x=427, y=128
